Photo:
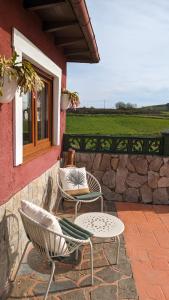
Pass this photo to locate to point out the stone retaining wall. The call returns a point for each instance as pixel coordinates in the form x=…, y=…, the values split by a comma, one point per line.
x=41, y=191
x=130, y=178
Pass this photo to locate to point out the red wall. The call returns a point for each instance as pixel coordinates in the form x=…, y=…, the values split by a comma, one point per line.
x=12, y=179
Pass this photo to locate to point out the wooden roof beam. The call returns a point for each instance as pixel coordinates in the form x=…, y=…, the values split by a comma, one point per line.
x=68, y=42
x=57, y=26
x=76, y=52
x=79, y=60
x=41, y=4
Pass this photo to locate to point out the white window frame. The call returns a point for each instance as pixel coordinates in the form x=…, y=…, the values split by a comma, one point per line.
x=27, y=50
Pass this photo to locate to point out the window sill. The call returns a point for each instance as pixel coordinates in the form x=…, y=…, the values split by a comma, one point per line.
x=37, y=154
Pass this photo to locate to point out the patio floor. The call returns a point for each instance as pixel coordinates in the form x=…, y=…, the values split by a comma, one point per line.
x=146, y=239
x=72, y=279
x=147, y=243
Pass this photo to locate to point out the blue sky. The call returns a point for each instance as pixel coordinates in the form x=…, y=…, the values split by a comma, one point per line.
x=133, y=42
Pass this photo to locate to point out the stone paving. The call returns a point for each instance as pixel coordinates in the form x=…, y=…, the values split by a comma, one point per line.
x=72, y=278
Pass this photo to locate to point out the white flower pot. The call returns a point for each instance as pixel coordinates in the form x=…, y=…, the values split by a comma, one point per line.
x=65, y=102
x=8, y=90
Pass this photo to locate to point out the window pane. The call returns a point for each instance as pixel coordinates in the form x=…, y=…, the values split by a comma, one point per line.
x=42, y=113
x=27, y=118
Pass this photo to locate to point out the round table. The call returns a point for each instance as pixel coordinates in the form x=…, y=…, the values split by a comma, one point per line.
x=102, y=225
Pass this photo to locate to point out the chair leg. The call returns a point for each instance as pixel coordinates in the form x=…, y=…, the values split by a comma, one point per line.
x=23, y=254
x=102, y=204
x=76, y=254
x=118, y=248
x=76, y=208
x=60, y=198
x=91, y=260
x=50, y=280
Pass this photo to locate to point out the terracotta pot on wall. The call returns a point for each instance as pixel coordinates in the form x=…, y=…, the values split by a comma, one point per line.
x=9, y=89
x=65, y=102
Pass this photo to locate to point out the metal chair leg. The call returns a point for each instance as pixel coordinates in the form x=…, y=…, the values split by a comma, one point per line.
x=23, y=254
x=60, y=198
x=76, y=208
x=118, y=248
x=76, y=254
x=50, y=280
x=102, y=204
x=91, y=260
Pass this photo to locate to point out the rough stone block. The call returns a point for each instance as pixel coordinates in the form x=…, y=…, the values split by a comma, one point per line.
x=156, y=164
x=121, y=176
x=105, y=163
x=146, y=194
x=166, y=160
x=123, y=161
x=163, y=182
x=149, y=158
x=109, y=179
x=97, y=161
x=132, y=195
x=117, y=197
x=98, y=174
x=164, y=170
x=141, y=165
x=135, y=180
x=130, y=166
x=153, y=178
x=107, y=193
x=160, y=196
x=114, y=163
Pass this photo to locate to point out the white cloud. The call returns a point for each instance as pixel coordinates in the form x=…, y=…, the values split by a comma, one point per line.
x=133, y=40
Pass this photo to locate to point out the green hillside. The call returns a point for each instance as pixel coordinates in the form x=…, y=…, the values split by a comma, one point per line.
x=162, y=107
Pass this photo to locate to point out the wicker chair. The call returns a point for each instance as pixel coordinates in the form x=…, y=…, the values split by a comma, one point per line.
x=94, y=186
x=44, y=240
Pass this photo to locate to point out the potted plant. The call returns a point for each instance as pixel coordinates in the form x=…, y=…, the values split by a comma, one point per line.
x=14, y=74
x=69, y=100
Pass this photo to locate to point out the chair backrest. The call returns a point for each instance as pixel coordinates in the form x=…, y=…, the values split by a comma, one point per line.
x=48, y=243
x=94, y=185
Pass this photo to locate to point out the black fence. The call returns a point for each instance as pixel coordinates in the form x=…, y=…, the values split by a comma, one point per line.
x=118, y=145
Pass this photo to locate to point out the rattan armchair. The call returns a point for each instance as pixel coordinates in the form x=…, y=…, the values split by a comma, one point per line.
x=94, y=186
x=44, y=240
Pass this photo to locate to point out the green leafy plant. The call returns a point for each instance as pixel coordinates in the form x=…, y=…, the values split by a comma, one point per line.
x=23, y=72
x=75, y=178
x=73, y=98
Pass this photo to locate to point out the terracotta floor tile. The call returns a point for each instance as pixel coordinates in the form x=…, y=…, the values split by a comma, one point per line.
x=147, y=243
x=137, y=253
x=165, y=289
x=154, y=292
x=162, y=237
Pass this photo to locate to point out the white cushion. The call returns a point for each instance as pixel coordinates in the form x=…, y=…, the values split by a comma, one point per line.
x=74, y=181
x=48, y=220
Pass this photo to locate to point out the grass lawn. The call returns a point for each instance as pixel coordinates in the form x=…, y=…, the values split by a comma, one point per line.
x=116, y=124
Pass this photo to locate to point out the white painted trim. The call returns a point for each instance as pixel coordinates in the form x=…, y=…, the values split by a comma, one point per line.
x=25, y=48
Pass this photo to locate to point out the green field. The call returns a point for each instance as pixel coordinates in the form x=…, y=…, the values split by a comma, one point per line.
x=117, y=124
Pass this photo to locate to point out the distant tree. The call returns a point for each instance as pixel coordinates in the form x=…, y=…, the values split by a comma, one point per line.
x=130, y=105
x=120, y=105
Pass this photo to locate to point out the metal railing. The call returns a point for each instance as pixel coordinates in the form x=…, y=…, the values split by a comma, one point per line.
x=158, y=145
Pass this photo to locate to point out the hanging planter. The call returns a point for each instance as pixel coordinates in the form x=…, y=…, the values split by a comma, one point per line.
x=15, y=75
x=65, y=102
x=8, y=90
x=69, y=100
